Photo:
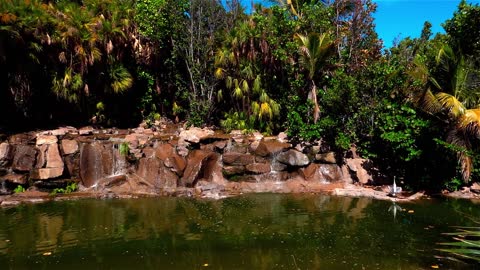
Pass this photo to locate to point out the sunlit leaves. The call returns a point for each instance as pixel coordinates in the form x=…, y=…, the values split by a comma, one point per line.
x=121, y=79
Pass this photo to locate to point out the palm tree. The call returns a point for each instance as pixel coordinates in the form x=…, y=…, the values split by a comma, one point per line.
x=453, y=96
x=315, y=50
x=239, y=62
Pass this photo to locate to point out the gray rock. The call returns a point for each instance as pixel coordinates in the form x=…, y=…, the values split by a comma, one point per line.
x=293, y=158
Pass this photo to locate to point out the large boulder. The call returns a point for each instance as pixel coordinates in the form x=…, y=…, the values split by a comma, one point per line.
x=271, y=147
x=176, y=164
x=5, y=154
x=328, y=158
x=46, y=139
x=166, y=153
x=357, y=170
x=293, y=158
x=154, y=172
x=195, y=135
x=41, y=156
x=22, y=138
x=238, y=159
x=69, y=147
x=24, y=159
x=323, y=173
x=19, y=179
x=200, y=165
x=230, y=171
x=53, y=158
x=258, y=168
x=46, y=173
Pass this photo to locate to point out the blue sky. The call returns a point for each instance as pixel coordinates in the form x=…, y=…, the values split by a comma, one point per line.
x=405, y=18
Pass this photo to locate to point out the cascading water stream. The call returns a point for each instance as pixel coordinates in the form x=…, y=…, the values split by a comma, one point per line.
x=118, y=161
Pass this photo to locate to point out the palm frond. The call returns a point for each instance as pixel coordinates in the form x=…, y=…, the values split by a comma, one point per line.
x=451, y=104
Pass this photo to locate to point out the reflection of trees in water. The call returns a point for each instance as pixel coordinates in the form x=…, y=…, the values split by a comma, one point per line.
x=261, y=230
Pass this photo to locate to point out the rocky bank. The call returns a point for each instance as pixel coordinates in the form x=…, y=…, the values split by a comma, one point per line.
x=170, y=160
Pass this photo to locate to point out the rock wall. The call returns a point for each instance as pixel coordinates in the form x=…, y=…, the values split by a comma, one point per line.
x=168, y=160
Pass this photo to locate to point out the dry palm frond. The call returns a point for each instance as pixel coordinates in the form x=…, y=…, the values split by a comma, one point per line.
x=461, y=141
x=451, y=104
x=470, y=122
x=467, y=166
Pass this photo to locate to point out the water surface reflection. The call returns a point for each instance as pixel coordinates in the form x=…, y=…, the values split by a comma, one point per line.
x=263, y=231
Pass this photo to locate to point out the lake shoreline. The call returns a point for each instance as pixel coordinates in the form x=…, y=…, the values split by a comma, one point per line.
x=169, y=159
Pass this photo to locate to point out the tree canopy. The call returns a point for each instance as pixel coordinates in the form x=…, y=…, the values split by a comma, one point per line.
x=314, y=69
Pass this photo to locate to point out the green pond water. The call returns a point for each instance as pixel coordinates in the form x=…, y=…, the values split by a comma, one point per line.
x=258, y=231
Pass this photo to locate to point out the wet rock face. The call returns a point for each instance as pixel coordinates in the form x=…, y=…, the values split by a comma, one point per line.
x=156, y=162
x=96, y=162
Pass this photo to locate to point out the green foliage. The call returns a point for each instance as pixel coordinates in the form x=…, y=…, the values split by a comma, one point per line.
x=147, y=105
x=238, y=121
x=124, y=149
x=463, y=30
x=150, y=19
x=314, y=68
x=19, y=189
x=399, y=128
x=453, y=184
x=71, y=187
x=466, y=243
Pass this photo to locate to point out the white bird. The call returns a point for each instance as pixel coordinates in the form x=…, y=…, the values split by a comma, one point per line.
x=394, y=189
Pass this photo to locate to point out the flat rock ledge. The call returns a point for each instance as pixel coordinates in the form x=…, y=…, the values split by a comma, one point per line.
x=212, y=191
x=358, y=191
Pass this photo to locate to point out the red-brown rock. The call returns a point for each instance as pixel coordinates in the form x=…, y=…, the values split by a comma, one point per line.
x=22, y=138
x=198, y=163
x=258, y=168
x=20, y=179
x=176, y=164
x=233, y=170
x=164, y=151
x=271, y=147
x=46, y=173
x=324, y=173
x=54, y=160
x=96, y=162
x=41, y=156
x=69, y=147
x=5, y=154
x=355, y=165
x=195, y=135
x=156, y=174
x=237, y=159
x=46, y=139
x=24, y=158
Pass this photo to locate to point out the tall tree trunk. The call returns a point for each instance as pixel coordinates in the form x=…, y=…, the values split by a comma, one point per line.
x=313, y=97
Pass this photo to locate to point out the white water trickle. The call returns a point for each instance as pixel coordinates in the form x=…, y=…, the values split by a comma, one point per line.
x=118, y=161
x=274, y=165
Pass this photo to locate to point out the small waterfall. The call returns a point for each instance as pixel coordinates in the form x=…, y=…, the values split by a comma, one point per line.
x=3, y=188
x=275, y=168
x=119, y=163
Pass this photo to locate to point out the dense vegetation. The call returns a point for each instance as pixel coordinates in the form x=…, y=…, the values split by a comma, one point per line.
x=313, y=68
